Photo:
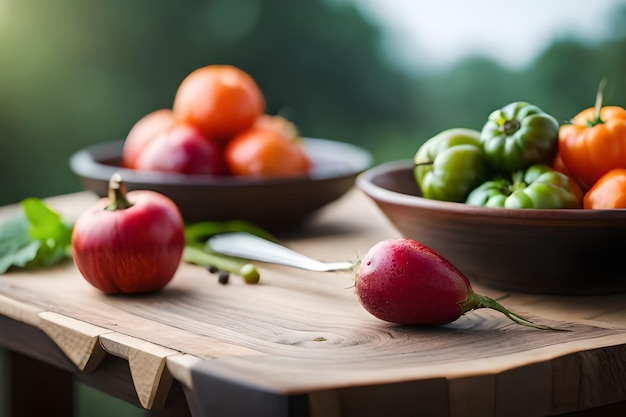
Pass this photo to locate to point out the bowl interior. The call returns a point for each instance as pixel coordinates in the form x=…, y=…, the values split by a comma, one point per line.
x=276, y=204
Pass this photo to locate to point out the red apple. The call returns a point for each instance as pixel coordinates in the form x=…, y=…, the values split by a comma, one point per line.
x=142, y=132
x=182, y=148
x=130, y=242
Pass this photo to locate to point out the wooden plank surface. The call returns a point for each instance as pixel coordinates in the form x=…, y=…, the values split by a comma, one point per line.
x=304, y=333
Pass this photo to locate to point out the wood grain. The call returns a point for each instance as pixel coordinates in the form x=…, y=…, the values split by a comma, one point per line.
x=77, y=339
x=147, y=366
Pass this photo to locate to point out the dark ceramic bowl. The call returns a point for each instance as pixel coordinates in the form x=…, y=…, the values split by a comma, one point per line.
x=275, y=204
x=567, y=252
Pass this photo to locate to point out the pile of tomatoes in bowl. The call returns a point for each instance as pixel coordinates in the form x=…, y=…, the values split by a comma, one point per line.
x=217, y=125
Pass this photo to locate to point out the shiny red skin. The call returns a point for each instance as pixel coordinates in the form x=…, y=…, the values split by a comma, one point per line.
x=405, y=282
x=133, y=250
x=142, y=132
x=182, y=149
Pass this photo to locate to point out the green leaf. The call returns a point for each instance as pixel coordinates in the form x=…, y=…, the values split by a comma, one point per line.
x=45, y=223
x=19, y=256
x=14, y=231
x=15, y=243
x=36, y=237
x=196, y=252
x=200, y=231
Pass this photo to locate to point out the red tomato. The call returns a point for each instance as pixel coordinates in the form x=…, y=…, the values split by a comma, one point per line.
x=182, y=149
x=264, y=151
x=221, y=100
x=142, y=132
x=129, y=243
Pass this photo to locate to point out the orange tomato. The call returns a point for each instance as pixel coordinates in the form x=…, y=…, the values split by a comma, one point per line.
x=270, y=148
x=277, y=123
x=220, y=100
x=594, y=144
x=609, y=192
x=143, y=132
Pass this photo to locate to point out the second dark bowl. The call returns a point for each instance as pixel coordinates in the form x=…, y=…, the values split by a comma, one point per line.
x=569, y=251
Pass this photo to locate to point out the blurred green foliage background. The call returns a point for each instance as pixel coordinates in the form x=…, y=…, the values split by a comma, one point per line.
x=75, y=73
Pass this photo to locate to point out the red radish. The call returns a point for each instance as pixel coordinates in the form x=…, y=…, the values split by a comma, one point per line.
x=405, y=282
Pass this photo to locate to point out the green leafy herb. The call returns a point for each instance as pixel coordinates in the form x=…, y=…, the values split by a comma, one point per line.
x=36, y=237
x=198, y=253
x=200, y=231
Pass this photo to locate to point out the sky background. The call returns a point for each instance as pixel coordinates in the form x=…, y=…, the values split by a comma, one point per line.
x=434, y=34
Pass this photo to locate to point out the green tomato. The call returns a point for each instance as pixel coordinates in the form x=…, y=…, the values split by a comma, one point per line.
x=449, y=165
x=517, y=136
x=539, y=187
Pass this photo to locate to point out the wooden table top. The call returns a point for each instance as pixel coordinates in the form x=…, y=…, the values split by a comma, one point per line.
x=299, y=343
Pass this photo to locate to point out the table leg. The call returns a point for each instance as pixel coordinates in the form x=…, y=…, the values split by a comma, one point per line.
x=175, y=405
x=33, y=385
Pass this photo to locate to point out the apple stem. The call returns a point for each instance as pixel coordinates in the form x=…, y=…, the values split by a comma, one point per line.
x=117, y=194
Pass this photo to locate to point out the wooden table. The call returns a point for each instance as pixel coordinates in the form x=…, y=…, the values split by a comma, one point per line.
x=299, y=344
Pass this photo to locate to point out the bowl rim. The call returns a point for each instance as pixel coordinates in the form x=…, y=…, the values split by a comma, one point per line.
x=84, y=163
x=365, y=182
